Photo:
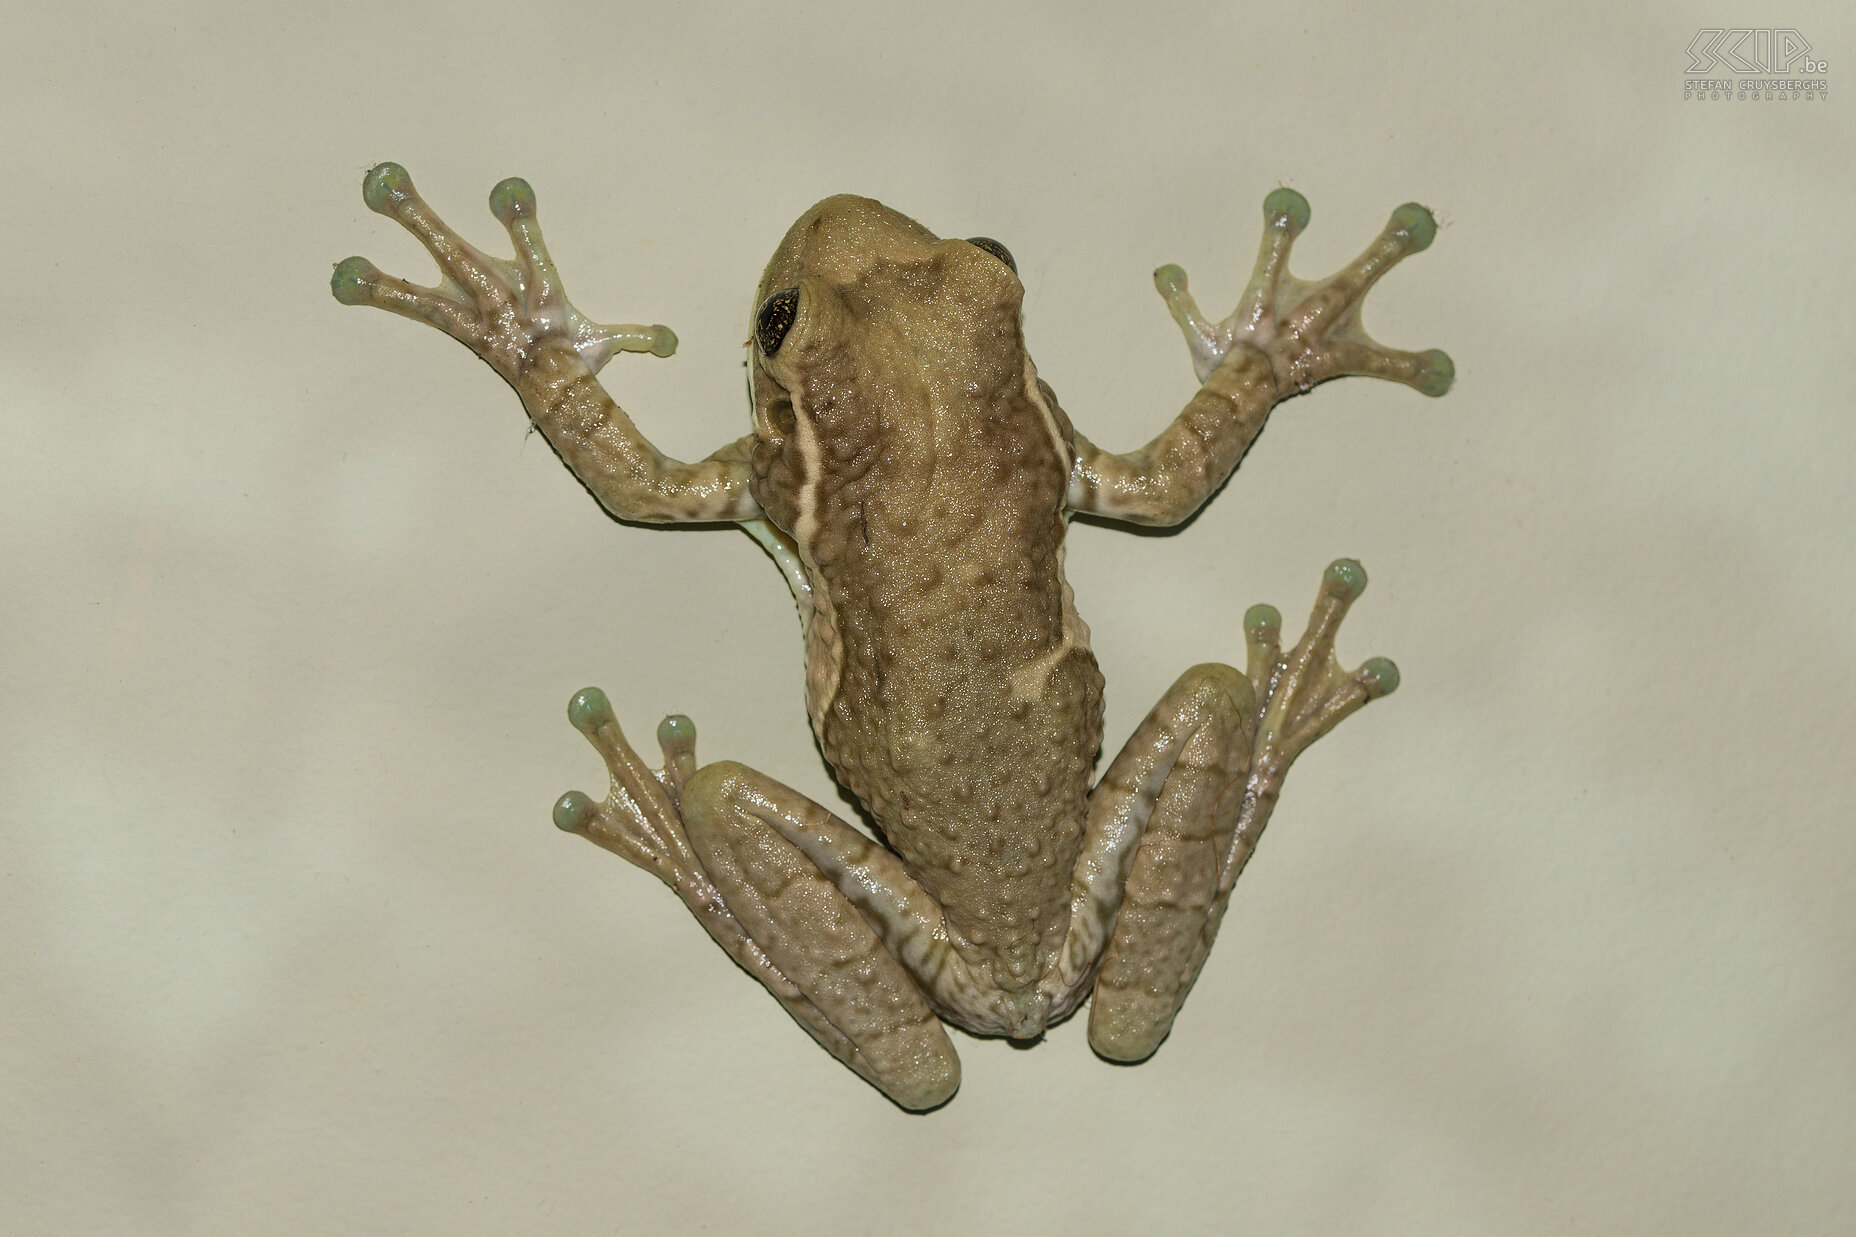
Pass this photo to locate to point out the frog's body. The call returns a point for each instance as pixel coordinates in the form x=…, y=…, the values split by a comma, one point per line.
x=914, y=476
x=932, y=531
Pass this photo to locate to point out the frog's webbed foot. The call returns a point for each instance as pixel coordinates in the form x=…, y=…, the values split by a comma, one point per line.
x=638, y=818
x=1301, y=694
x=1305, y=693
x=1310, y=331
x=505, y=311
x=827, y=920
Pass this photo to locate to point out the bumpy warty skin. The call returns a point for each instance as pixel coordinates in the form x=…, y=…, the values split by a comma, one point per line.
x=903, y=442
x=910, y=475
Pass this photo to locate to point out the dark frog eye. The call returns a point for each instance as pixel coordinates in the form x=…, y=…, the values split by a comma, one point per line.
x=774, y=319
x=994, y=248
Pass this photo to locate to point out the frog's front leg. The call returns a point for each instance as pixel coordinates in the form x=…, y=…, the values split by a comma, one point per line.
x=515, y=315
x=1285, y=336
x=1179, y=811
x=825, y=918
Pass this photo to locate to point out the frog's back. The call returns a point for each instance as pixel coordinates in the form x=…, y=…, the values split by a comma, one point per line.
x=922, y=474
x=966, y=707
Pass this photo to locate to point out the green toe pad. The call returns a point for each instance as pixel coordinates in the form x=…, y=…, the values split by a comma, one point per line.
x=1348, y=576
x=572, y=811
x=1418, y=222
x=589, y=710
x=1381, y=676
x=1262, y=617
x=349, y=283
x=512, y=199
x=1287, y=202
x=1438, y=373
x=383, y=185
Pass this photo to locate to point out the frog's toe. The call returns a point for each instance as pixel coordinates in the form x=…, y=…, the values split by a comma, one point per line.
x=1378, y=676
x=599, y=344
x=353, y=280
x=357, y=281
x=1436, y=372
x=1305, y=691
x=511, y=200
x=574, y=812
x=1429, y=373
x=1285, y=215
x=385, y=187
x=513, y=203
x=676, y=738
x=1346, y=577
x=1204, y=337
x=1417, y=223
x=388, y=190
x=1284, y=207
x=589, y=710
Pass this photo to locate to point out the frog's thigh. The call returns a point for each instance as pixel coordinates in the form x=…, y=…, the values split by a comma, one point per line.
x=1196, y=746
x=812, y=934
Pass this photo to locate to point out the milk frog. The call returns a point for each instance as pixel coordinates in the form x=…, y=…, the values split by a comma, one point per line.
x=913, y=475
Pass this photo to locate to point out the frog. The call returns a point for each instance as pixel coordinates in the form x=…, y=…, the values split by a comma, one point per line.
x=913, y=477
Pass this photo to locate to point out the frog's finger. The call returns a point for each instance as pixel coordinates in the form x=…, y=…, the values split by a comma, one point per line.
x=1170, y=281
x=1346, y=696
x=1263, y=639
x=1207, y=341
x=1429, y=372
x=1341, y=586
x=513, y=202
x=359, y=282
x=1285, y=215
x=676, y=738
x=599, y=344
x=1410, y=230
x=388, y=190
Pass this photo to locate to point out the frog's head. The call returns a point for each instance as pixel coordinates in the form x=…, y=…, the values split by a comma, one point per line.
x=880, y=348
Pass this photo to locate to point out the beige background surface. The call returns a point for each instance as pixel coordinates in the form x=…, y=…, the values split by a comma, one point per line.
x=1558, y=939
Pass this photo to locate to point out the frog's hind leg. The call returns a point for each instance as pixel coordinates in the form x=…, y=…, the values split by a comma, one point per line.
x=1179, y=812
x=1160, y=823
x=738, y=848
